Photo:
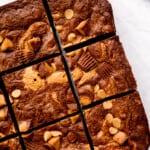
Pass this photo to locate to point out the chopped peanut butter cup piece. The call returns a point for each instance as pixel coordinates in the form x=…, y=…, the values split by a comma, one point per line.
x=87, y=62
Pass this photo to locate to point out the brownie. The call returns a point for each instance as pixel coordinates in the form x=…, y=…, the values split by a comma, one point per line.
x=102, y=70
x=67, y=134
x=25, y=33
x=39, y=93
x=6, y=123
x=119, y=124
x=78, y=20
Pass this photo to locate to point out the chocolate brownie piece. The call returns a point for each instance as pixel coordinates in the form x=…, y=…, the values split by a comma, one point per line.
x=78, y=20
x=6, y=124
x=39, y=93
x=25, y=33
x=119, y=124
x=102, y=70
x=67, y=134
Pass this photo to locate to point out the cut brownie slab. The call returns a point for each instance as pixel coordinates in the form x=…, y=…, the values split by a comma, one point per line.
x=25, y=33
x=80, y=20
x=68, y=134
x=42, y=93
x=102, y=70
x=39, y=93
x=119, y=124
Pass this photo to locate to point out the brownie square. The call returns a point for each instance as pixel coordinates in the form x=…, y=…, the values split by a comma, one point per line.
x=67, y=134
x=39, y=93
x=102, y=70
x=119, y=124
x=77, y=20
x=25, y=33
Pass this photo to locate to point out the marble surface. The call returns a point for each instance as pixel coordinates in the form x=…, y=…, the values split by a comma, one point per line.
x=133, y=26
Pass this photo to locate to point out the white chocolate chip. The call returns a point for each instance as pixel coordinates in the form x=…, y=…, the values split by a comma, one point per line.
x=2, y=101
x=71, y=37
x=107, y=105
x=16, y=93
x=109, y=117
x=120, y=137
x=116, y=123
x=55, y=133
x=47, y=135
x=113, y=130
x=69, y=13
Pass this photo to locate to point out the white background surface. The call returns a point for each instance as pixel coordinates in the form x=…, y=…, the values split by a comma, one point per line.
x=132, y=20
